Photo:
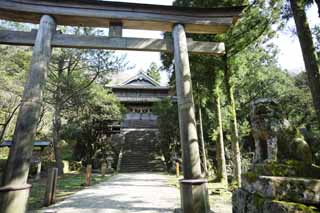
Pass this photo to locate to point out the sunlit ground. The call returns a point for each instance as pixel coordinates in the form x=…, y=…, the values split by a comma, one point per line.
x=67, y=185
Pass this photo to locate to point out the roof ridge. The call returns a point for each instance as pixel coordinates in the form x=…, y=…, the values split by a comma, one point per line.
x=145, y=75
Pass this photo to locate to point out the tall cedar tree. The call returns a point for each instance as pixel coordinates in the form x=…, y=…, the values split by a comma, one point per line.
x=310, y=56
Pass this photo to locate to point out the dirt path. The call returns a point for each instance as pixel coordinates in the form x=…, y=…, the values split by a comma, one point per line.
x=132, y=192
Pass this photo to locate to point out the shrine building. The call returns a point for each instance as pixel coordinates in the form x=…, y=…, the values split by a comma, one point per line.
x=138, y=140
x=138, y=94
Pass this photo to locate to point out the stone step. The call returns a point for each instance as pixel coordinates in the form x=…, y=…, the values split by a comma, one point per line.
x=143, y=170
x=140, y=152
x=144, y=164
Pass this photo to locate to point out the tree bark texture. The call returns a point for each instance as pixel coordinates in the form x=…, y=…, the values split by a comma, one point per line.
x=220, y=154
x=187, y=121
x=21, y=151
x=56, y=138
x=57, y=118
x=201, y=140
x=236, y=156
x=308, y=51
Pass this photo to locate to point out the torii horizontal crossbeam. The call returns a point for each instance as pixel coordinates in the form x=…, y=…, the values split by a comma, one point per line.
x=96, y=13
x=112, y=43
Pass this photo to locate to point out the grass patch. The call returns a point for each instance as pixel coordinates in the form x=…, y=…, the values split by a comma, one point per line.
x=67, y=185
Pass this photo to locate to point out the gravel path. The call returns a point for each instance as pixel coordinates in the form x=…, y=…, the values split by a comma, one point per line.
x=134, y=192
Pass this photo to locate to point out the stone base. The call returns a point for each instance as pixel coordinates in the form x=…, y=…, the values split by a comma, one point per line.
x=246, y=202
x=300, y=190
x=194, y=196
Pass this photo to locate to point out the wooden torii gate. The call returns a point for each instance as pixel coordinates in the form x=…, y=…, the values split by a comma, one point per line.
x=116, y=16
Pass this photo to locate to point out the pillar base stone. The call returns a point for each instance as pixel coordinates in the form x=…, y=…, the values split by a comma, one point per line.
x=194, y=196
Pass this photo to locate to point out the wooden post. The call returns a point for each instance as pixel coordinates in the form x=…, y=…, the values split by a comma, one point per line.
x=38, y=175
x=120, y=158
x=194, y=192
x=115, y=29
x=50, y=196
x=103, y=169
x=88, y=174
x=187, y=121
x=20, y=153
x=177, y=169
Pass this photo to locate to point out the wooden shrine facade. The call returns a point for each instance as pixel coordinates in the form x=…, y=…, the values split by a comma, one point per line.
x=116, y=16
x=139, y=94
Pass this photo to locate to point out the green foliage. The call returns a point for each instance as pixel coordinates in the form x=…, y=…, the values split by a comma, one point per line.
x=316, y=33
x=168, y=123
x=253, y=73
x=289, y=168
x=154, y=72
x=250, y=176
x=88, y=125
x=14, y=63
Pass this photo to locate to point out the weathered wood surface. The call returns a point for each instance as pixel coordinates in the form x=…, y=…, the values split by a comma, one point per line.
x=39, y=165
x=95, y=13
x=115, y=29
x=187, y=120
x=88, y=174
x=177, y=169
x=194, y=192
x=112, y=43
x=21, y=150
x=103, y=169
x=50, y=195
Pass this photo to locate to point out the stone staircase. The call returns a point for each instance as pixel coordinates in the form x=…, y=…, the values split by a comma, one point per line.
x=141, y=152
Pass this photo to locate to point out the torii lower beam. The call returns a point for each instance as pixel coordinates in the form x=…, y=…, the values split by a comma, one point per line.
x=111, y=43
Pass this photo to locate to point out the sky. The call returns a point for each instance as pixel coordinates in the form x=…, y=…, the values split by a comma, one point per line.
x=290, y=56
x=142, y=60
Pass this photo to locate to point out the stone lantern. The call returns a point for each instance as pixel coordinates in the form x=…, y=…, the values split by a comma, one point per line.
x=109, y=164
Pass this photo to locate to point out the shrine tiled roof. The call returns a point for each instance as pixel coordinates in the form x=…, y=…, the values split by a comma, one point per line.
x=138, y=81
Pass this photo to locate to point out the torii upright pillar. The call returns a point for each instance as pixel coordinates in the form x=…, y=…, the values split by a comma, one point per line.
x=194, y=189
x=15, y=190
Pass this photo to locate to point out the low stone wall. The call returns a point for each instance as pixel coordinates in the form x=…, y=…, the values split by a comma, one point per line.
x=246, y=202
x=263, y=194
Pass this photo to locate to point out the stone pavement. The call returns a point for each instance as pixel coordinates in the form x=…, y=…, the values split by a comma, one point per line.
x=131, y=192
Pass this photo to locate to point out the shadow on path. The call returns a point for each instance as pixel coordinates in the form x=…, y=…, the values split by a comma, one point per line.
x=134, y=192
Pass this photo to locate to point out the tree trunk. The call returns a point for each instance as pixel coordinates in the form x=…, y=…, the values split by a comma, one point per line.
x=236, y=156
x=56, y=138
x=15, y=192
x=57, y=118
x=220, y=155
x=201, y=140
x=308, y=51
